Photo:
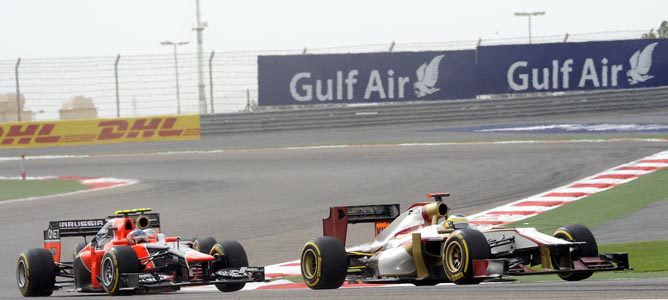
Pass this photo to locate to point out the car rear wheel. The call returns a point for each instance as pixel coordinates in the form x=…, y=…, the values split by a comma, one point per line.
x=117, y=261
x=36, y=273
x=459, y=251
x=577, y=233
x=234, y=256
x=324, y=263
x=77, y=248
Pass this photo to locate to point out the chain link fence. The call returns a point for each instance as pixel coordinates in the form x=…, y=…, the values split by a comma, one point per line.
x=132, y=85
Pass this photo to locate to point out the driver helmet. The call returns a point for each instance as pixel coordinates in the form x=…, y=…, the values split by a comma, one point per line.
x=137, y=236
x=151, y=234
x=456, y=221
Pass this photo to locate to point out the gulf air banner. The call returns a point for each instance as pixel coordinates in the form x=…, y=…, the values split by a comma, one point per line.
x=366, y=77
x=99, y=131
x=541, y=68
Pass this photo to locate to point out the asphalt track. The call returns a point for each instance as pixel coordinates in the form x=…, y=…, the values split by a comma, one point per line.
x=272, y=200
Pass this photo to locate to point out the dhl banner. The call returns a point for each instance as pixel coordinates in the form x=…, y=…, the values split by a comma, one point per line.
x=99, y=131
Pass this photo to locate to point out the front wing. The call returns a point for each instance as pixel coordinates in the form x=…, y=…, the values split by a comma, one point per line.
x=495, y=268
x=222, y=276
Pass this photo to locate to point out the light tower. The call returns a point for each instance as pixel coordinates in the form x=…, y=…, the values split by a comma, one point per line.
x=529, y=15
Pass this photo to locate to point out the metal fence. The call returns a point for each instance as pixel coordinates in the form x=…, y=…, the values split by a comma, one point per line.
x=130, y=85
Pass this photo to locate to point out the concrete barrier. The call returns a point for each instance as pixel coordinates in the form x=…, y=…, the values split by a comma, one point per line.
x=436, y=111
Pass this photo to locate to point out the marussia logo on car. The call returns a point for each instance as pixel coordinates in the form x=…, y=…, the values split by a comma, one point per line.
x=81, y=223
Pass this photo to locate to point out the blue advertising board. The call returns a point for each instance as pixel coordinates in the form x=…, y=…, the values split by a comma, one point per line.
x=572, y=66
x=365, y=77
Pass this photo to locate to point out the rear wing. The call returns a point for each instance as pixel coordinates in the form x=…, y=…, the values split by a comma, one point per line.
x=336, y=225
x=90, y=227
x=69, y=228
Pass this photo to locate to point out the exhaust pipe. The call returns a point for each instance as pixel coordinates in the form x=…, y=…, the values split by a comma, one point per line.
x=142, y=222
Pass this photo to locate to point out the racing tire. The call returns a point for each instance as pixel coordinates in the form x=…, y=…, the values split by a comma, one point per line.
x=117, y=261
x=577, y=233
x=36, y=273
x=235, y=257
x=324, y=263
x=459, y=251
x=77, y=248
x=204, y=244
x=82, y=275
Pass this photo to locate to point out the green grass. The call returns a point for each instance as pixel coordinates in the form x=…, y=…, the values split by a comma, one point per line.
x=605, y=206
x=643, y=256
x=17, y=189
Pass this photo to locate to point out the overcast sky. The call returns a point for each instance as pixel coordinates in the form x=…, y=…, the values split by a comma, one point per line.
x=48, y=28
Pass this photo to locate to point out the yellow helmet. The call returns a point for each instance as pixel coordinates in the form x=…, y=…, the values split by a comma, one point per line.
x=456, y=221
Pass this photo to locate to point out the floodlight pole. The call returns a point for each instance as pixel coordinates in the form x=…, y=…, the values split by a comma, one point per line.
x=200, y=61
x=529, y=15
x=176, y=71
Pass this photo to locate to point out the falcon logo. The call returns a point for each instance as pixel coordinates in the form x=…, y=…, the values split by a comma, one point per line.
x=640, y=63
x=427, y=76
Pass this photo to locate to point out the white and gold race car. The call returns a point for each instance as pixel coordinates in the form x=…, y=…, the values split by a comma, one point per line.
x=426, y=245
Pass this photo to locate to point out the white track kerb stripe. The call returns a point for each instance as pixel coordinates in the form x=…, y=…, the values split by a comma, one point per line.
x=533, y=205
x=509, y=213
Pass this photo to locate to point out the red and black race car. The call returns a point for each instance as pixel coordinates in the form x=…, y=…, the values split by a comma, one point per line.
x=129, y=254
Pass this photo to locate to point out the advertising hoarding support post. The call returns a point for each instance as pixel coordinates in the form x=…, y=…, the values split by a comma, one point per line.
x=248, y=105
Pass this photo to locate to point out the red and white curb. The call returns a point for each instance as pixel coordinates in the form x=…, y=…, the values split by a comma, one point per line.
x=100, y=183
x=91, y=184
x=506, y=214
x=534, y=205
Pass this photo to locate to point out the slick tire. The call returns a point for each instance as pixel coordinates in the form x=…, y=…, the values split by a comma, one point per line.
x=77, y=248
x=577, y=233
x=36, y=273
x=204, y=244
x=234, y=257
x=459, y=251
x=81, y=276
x=116, y=261
x=324, y=263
